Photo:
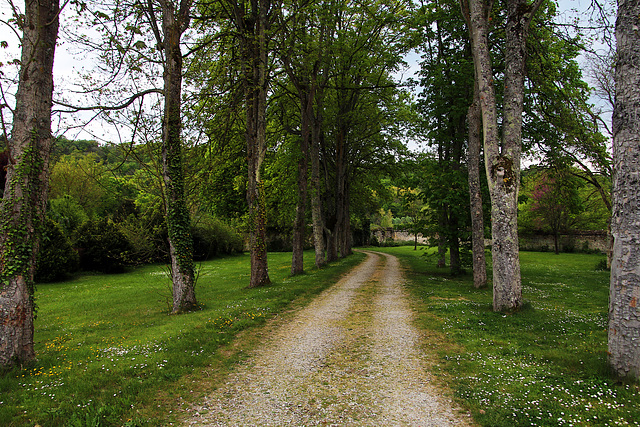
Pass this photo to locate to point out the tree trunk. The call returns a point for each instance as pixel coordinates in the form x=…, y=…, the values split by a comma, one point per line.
x=454, y=246
x=442, y=239
x=624, y=315
x=178, y=221
x=347, y=238
x=316, y=197
x=340, y=189
x=474, y=119
x=23, y=206
x=255, y=74
x=299, y=226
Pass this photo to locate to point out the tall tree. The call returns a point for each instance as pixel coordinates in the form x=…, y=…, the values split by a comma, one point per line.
x=175, y=21
x=252, y=20
x=137, y=36
x=301, y=63
x=502, y=155
x=446, y=70
x=624, y=315
x=366, y=45
x=23, y=206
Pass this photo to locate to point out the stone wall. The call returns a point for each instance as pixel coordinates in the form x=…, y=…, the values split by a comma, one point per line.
x=390, y=234
x=575, y=242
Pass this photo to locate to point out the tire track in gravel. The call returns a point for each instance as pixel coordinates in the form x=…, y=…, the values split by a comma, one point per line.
x=351, y=357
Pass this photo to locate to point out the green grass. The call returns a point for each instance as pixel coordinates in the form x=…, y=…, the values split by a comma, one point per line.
x=110, y=355
x=544, y=365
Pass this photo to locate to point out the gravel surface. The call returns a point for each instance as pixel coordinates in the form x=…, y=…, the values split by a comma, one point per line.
x=351, y=357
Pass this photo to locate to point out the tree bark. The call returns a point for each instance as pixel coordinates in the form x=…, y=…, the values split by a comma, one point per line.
x=253, y=27
x=316, y=196
x=624, y=316
x=23, y=206
x=474, y=119
x=442, y=239
x=299, y=226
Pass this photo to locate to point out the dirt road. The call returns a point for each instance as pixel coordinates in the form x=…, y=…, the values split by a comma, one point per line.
x=351, y=357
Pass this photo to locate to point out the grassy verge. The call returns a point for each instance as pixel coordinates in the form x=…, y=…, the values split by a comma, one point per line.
x=546, y=364
x=108, y=353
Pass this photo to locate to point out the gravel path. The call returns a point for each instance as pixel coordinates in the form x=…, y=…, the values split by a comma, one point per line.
x=351, y=357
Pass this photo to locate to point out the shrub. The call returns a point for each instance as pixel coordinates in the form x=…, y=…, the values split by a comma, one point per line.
x=56, y=258
x=68, y=213
x=102, y=247
x=148, y=238
x=212, y=237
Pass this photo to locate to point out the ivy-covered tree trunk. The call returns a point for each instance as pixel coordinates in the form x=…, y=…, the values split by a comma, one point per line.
x=174, y=23
x=624, y=299
x=253, y=25
x=474, y=121
x=22, y=208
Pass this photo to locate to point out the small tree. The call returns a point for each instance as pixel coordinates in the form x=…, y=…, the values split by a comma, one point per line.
x=555, y=203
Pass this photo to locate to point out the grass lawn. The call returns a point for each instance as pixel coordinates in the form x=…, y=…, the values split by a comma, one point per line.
x=544, y=365
x=109, y=355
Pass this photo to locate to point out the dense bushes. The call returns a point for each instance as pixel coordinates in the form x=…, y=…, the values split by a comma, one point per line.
x=106, y=246
x=56, y=258
x=212, y=237
x=102, y=247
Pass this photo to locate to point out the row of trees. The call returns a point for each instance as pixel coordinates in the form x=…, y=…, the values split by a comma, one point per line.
x=295, y=85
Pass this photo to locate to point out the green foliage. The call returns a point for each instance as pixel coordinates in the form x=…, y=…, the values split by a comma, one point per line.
x=68, y=213
x=83, y=178
x=102, y=247
x=386, y=218
x=147, y=235
x=109, y=355
x=212, y=237
x=56, y=258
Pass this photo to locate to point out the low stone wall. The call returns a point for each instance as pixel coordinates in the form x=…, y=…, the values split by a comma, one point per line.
x=390, y=234
x=575, y=242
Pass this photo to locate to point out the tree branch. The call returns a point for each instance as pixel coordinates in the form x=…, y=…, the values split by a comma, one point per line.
x=73, y=108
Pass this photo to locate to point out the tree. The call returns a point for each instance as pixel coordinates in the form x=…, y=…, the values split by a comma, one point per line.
x=446, y=70
x=299, y=67
x=128, y=62
x=555, y=202
x=23, y=206
x=175, y=21
x=252, y=21
x=624, y=315
x=502, y=156
x=366, y=45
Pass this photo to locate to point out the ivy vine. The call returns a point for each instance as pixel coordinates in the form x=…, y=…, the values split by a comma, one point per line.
x=21, y=218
